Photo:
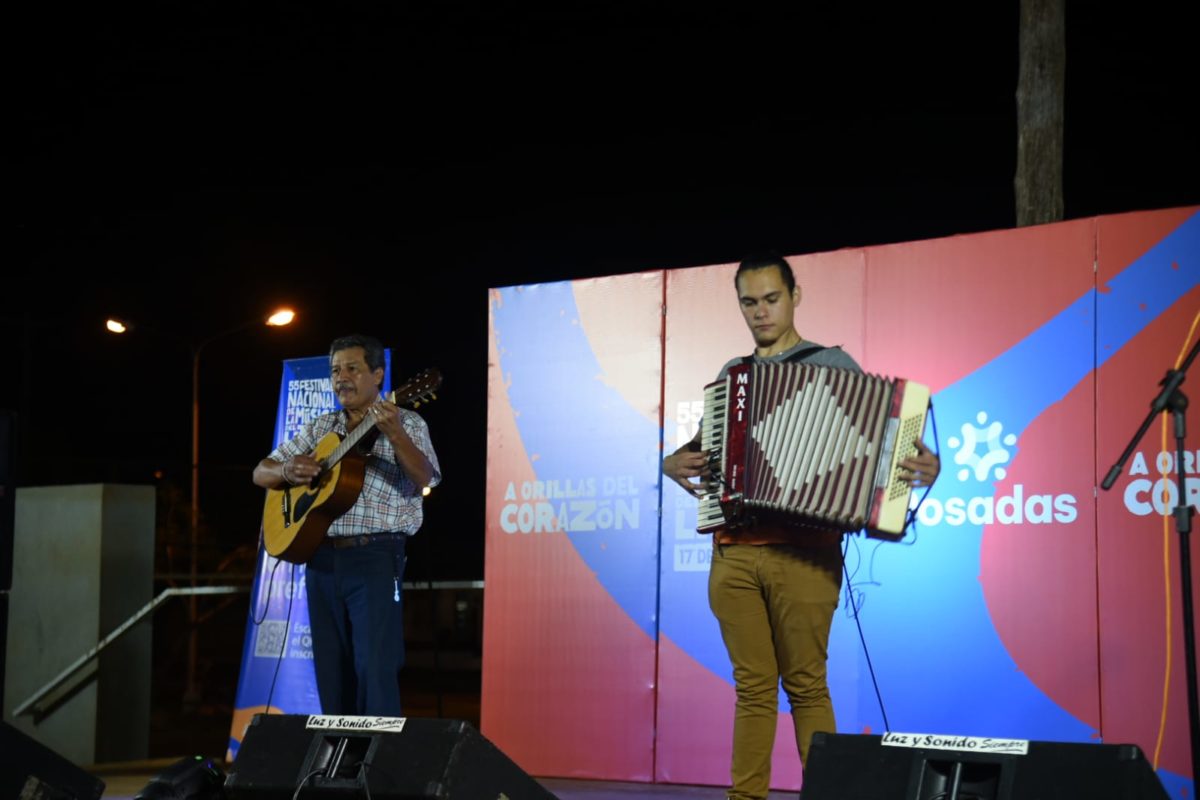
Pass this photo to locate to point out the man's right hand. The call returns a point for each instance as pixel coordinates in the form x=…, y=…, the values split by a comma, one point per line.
x=300, y=470
x=683, y=465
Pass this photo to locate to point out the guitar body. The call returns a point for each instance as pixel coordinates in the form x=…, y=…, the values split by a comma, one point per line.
x=296, y=518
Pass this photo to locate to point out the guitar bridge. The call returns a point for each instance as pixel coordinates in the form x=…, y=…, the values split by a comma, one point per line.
x=286, y=502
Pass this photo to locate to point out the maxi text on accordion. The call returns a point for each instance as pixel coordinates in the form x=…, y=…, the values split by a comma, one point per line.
x=806, y=445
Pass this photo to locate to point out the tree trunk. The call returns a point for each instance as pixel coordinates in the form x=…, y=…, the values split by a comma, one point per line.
x=1038, y=182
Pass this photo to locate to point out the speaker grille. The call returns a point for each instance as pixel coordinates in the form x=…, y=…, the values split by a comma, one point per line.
x=429, y=758
x=859, y=767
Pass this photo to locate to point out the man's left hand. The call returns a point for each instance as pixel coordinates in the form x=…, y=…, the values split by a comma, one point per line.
x=387, y=419
x=921, y=469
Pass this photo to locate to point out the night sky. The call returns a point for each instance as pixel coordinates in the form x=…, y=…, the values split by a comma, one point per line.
x=378, y=166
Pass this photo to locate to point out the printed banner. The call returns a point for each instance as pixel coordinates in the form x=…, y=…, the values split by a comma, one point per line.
x=572, y=526
x=1014, y=605
x=1147, y=308
x=277, y=674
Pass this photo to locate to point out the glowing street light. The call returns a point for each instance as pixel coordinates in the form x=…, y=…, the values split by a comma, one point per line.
x=279, y=318
x=283, y=316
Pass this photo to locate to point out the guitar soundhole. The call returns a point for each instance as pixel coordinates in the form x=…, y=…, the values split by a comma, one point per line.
x=303, y=505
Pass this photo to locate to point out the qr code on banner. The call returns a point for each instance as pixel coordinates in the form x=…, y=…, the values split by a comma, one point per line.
x=270, y=638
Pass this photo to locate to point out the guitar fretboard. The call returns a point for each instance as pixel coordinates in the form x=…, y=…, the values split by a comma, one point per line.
x=353, y=437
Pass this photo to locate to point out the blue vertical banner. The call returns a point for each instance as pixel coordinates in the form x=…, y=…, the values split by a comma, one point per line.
x=277, y=674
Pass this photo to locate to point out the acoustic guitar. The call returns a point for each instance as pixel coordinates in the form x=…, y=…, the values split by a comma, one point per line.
x=295, y=518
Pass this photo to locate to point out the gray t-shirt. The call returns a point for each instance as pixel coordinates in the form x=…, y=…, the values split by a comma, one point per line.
x=829, y=357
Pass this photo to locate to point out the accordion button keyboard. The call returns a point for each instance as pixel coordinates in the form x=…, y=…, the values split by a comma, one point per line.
x=712, y=440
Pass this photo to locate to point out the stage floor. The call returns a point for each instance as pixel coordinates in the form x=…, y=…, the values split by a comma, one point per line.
x=123, y=782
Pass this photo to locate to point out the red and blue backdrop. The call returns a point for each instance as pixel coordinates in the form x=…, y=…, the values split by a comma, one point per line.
x=1025, y=602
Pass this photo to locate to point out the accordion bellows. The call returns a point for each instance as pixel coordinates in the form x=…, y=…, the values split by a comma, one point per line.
x=811, y=446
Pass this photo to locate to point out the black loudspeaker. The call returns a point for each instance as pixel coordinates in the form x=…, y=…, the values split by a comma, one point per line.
x=30, y=769
x=195, y=778
x=284, y=756
x=861, y=767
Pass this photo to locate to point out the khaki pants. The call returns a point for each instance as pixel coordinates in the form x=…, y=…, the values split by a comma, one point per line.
x=775, y=605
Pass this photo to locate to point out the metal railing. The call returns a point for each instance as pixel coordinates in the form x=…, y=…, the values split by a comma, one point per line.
x=69, y=679
x=61, y=685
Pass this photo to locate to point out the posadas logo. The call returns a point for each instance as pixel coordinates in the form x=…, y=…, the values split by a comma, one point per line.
x=981, y=451
x=994, y=451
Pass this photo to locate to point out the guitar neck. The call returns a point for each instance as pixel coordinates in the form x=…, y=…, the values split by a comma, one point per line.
x=355, y=436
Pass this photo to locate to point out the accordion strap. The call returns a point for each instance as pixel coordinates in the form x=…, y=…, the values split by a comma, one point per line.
x=795, y=357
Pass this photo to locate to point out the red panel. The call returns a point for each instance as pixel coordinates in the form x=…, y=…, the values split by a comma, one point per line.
x=1134, y=577
x=1122, y=239
x=561, y=691
x=628, y=350
x=1040, y=579
x=939, y=309
x=704, y=329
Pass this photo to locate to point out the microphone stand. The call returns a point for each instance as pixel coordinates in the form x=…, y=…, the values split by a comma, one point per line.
x=1176, y=401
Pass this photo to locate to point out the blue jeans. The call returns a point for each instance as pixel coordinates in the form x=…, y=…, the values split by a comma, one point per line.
x=357, y=616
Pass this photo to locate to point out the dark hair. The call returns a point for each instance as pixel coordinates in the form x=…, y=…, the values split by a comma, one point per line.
x=766, y=261
x=372, y=349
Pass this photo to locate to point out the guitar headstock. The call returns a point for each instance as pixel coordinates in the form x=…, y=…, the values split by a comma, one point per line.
x=417, y=390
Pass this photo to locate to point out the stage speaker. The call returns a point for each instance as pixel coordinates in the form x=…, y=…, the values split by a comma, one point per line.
x=860, y=767
x=285, y=756
x=194, y=778
x=32, y=770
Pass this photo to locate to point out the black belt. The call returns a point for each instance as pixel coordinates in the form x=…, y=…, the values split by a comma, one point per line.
x=339, y=542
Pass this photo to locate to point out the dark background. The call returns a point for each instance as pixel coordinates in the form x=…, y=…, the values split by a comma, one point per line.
x=378, y=166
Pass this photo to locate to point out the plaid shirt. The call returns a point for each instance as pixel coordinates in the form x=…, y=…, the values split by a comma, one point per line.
x=389, y=501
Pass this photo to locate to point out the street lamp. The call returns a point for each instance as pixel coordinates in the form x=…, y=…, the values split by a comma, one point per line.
x=279, y=318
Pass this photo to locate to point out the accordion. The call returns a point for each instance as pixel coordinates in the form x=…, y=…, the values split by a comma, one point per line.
x=805, y=445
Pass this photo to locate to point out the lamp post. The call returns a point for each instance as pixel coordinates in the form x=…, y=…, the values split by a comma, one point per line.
x=278, y=319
